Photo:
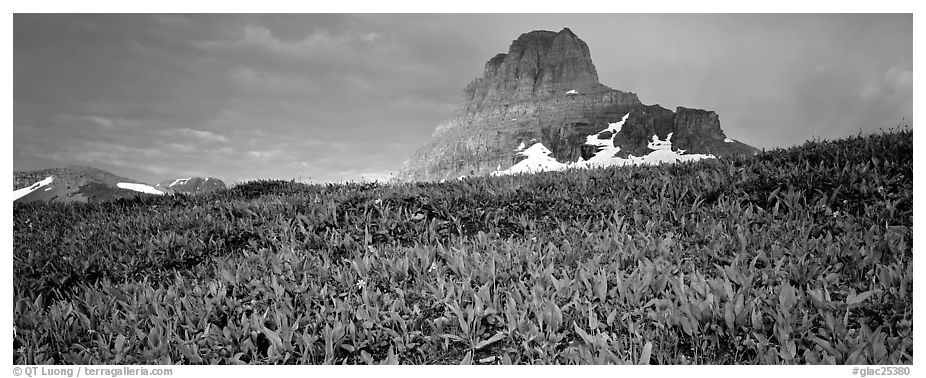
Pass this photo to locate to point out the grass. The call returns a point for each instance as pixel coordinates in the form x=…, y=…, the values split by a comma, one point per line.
x=797, y=256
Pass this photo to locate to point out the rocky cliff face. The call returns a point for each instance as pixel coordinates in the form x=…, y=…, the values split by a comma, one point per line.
x=546, y=90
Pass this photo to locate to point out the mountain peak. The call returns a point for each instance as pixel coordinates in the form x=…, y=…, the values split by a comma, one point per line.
x=539, y=63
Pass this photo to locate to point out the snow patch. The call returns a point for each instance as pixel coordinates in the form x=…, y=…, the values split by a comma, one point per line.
x=180, y=182
x=659, y=144
x=20, y=193
x=572, y=91
x=139, y=187
x=538, y=159
x=606, y=149
x=663, y=153
x=520, y=147
x=728, y=140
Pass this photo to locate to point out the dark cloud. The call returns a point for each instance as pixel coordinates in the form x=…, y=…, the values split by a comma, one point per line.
x=334, y=97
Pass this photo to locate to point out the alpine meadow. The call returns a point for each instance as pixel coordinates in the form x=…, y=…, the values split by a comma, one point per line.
x=797, y=256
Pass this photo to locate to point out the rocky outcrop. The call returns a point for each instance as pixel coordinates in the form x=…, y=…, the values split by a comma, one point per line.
x=546, y=90
x=699, y=130
x=192, y=185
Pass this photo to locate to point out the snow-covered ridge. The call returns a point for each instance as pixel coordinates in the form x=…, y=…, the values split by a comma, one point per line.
x=139, y=187
x=538, y=157
x=20, y=193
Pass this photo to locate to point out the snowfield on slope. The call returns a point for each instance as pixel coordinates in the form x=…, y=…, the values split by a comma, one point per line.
x=606, y=150
x=180, y=182
x=538, y=157
x=20, y=193
x=139, y=187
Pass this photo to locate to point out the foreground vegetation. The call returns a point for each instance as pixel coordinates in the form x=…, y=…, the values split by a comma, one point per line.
x=799, y=256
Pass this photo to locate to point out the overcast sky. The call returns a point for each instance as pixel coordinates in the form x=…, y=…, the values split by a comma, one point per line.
x=340, y=97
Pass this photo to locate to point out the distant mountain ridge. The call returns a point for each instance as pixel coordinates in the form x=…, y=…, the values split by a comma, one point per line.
x=192, y=185
x=88, y=184
x=76, y=184
x=545, y=91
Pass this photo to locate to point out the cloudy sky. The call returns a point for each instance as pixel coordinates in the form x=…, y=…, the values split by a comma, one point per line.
x=340, y=97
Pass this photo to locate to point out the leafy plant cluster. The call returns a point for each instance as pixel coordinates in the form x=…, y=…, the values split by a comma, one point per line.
x=797, y=256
